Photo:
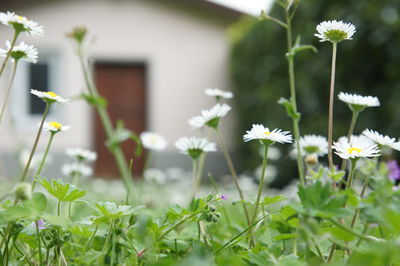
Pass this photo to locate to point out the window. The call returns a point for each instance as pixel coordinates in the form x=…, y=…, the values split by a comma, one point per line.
x=26, y=108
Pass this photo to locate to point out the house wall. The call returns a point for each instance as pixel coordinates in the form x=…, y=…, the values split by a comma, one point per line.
x=185, y=51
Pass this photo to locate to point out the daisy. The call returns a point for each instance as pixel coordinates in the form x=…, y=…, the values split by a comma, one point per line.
x=259, y=132
x=358, y=102
x=194, y=147
x=358, y=147
x=22, y=51
x=54, y=127
x=218, y=94
x=21, y=24
x=335, y=31
x=381, y=140
x=153, y=141
x=49, y=96
x=81, y=155
x=210, y=117
x=76, y=169
x=314, y=145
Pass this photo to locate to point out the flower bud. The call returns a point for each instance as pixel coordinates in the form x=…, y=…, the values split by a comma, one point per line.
x=311, y=160
x=23, y=191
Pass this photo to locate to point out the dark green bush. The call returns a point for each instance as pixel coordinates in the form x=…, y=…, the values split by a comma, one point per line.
x=367, y=65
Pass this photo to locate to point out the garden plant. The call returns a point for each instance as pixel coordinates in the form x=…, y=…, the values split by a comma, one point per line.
x=344, y=208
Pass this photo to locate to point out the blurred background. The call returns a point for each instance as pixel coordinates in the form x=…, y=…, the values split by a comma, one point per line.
x=152, y=60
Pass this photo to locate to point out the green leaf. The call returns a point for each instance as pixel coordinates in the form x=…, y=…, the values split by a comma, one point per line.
x=62, y=191
x=285, y=236
x=111, y=210
x=28, y=209
x=95, y=100
x=297, y=48
x=289, y=108
x=272, y=200
x=122, y=134
x=338, y=233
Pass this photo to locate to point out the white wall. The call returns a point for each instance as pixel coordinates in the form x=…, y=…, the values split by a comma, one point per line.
x=184, y=52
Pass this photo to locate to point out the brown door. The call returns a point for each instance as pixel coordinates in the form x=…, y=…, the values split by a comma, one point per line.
x=124, y=87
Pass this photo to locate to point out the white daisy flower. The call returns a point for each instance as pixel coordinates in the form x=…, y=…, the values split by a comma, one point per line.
x=259, y=132
x=381, y=140
x=76, y=169
x=218, y=94
x=194, y=147
x=358, y=102
x=22, y=51
x=153, y=141
x=155, y=175
x=21, y=24
x=335, y=31
x=313, y=144
x=49, y=96
x=54, y=127
x=210, y=117
x=81, y=155
x=358, y=147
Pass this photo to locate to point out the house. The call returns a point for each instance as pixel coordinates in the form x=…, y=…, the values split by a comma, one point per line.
x=152, y=60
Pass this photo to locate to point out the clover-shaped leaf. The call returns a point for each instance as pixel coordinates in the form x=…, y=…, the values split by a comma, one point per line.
x=61, y=190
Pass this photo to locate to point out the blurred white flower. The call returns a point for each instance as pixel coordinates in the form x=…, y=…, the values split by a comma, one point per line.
x=194, y=146
x=155, y=175
x=22, y=51
x=21, y=24
x=247, y=183
x=76, y=169
x=54, y=127
x=313, y=144
x=81, y=155
x=271, y=173
x=358, y=102
x=273, y=153
x=358, y=147
x=259, y=132
x=210, y=117
x=335, y=31
x=218, y=94
x=49, y=96
x=175, y=174
x=153, y=141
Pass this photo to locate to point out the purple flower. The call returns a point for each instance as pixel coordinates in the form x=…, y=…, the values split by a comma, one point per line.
x=223, y=196
x=394, y=169
x=41, y=224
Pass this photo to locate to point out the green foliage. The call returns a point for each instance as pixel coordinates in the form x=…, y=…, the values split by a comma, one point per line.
x=61, y=191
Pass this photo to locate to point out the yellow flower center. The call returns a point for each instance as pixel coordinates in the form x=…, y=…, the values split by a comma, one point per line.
x=352, y=150
x=267, y=132
x=21, y=18
x=56, y=125
x=52, y=94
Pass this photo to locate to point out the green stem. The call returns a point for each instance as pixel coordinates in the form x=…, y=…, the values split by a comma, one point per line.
x=25, y=172
x=261, y=185
x=39, y=171
x=331, y=98
x=108, y=127
x=91, y=238
x=105, y=247
x=292, y=83
x=350, y=133
x=349, y=230
x=194, y=177
x=364, y=188
x=233, y=172
x=351, y=174
x=3, y=108
x=129, y=241
x=3, y=66
x=214, y=185
x=39, y=244
x=59, y=208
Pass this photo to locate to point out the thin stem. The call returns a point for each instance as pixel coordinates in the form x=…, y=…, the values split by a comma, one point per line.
x=261, y=185
x=348, y=230
x=39, y=171
x=46, y=111
x=129, y=241
x=39, y=244
x=108, y=127
x=215, y=186
x=105, y=247
x=331, y=98
x=351, y=174
x=3, y=107
x=350, y=133
x=91, y=238
x=292, y=83
x=233, y=172
x=194, y=177
x=3, y=66
x=364, y=188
